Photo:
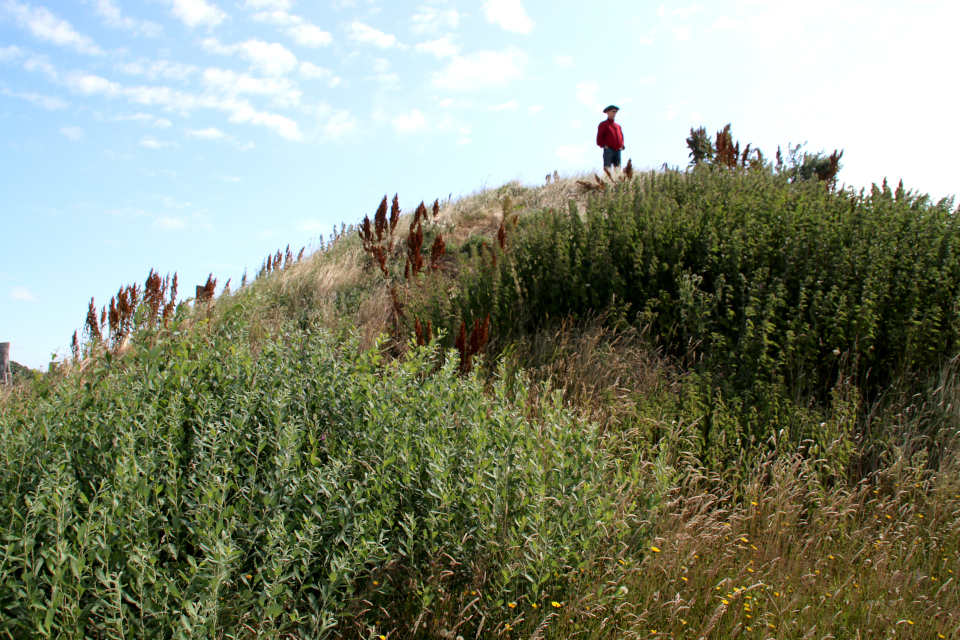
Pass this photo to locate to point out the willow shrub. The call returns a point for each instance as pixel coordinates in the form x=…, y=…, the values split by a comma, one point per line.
x=762, y=283
x=202, y=488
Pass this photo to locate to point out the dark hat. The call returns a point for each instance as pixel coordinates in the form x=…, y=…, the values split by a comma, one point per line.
x=613, y=106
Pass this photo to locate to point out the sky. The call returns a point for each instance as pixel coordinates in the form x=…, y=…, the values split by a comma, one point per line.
x=199, y=136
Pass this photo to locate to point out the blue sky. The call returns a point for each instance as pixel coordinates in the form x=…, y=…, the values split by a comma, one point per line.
x=198, y=136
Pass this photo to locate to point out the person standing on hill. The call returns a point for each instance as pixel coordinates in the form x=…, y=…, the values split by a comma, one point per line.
x=610, y=137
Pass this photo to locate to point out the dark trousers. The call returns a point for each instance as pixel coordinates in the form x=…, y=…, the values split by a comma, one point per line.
x=611, y=157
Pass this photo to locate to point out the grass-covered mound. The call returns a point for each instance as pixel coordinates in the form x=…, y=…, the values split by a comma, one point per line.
x=779, y=295
x=712, y=403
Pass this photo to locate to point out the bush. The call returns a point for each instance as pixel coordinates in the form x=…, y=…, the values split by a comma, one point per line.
x=774, y=290
x=205, y=487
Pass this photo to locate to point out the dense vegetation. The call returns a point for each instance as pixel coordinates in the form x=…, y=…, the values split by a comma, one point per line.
x=772, y=292
x=707, y=403
x=201, y=487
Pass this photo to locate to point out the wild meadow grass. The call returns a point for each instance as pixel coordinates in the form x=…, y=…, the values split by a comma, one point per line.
x=712, y=404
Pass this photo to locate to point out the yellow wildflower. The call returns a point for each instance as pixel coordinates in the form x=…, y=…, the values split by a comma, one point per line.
x=555, y=604
x=512, y=605
x=655, y=550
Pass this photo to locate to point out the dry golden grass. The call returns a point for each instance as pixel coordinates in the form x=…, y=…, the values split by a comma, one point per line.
x=783, y=556
x=603, y=372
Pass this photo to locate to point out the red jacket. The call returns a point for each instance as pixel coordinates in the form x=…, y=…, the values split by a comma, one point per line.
x=609, y=134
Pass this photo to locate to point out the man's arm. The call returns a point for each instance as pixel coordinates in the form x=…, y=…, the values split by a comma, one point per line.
x=600, y=136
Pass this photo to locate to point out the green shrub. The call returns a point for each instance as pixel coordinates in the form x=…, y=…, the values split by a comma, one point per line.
x=202, y=487
x=774, y=290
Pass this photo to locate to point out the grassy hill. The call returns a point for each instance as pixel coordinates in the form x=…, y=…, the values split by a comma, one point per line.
x=678, y=404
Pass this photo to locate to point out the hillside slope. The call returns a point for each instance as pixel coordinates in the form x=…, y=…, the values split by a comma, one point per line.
x=674, y=404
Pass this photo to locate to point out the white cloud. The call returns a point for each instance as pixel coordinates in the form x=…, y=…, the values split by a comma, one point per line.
x=231, y=84
x=314, y=72
x=271, y=58
x=110, y=12
x=9, y=53
x=441, y=47
x=564, y=62
x=23, y=294
x=93, y=85
x=482, y=70
x=270, y=5
x=431, y=20
x=365, y=34
x=509, y=14
x=534, y=110
x=170, y=224
x=48, y=28
x=50, y=103
x=410, y=122
x=73, y=133
x=671, y=110
x=696, y=117
x=282, y=125
x=463, y=141
x=35, y=63
x=446, y=102
x=309, y=35
x=339, y=125
x=506, y=106
x=587, y=94
x=153, y=143
x=681, y=34
x=571, y=152
x=162, y=122
x=197, y=13
x=303, y=32
x=159, y=68
x=576, y=124
x=224, y=89
x=211, y=133
x=136, y=117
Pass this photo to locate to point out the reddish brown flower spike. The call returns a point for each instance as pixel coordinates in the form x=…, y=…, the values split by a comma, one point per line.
x=439, y=248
